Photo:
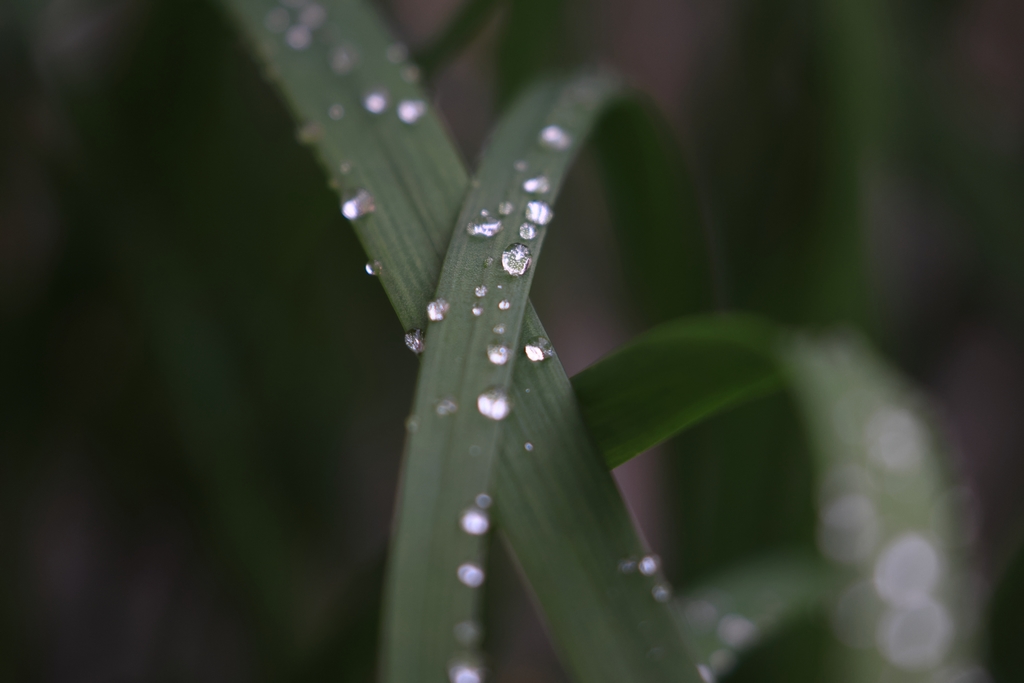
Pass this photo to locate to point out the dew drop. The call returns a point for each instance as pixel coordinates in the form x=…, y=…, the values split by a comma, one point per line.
x=907, y=571
x=360, y=204
x=335, y=112
x=446, y=406
x=528, y=446
x=470, y=575
x=373, y=267
x=516, y=259
x=437, y=310
x=488, y=228
x=485, y=213
x=310, y=133
x=895, y=440
x=488, y=261
x=497, y=354
x=483, y=501
x=480, y=291
x=313, y=16
x=343, y=59
x=467, y=633
x=539, y=349
x=555, y=137
x=916, y=638
x=661, y=593
x=504, y=305
x=538, y=185
x=277, y=20
x=494, y=404
x=411, y=111
x=649, y=564
x=345, y=167
x=539, y=213
x=627, y=566
x=414, y=340
x=298, y=37
x=410, y=73
x=527, y=231
x=478, y=310
x=499, y=328
x=396, y=53
x=464, y=673
x=505, y=208
x=474, y=522
x=376, y=101
x=706, y=674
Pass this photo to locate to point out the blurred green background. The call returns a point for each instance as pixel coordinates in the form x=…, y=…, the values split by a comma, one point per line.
x=202, y=393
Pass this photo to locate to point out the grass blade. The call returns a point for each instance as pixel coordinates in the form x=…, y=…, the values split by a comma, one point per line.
x=887, y=517
x=671, y=378
x=571, y=580
x=471, y=349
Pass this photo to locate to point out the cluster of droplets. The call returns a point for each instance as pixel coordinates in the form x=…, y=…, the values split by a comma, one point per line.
x=298, y=35
x=899, y=568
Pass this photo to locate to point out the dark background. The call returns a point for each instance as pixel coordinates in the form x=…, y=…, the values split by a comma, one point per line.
x=202, y=393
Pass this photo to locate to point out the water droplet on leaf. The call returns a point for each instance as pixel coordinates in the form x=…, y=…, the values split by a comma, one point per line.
x=484, y=228
x=468, y=633
x=475, y=522
x=539, y=349
x=470, y=575
x=343, y=59
x=661, y=593
x=516, y=259
x=335, y=112
x=504, y=305
x=360, y=204
x=410, y=111
x=373, y=267
x=497, y=354
x=446, y=406
x=505, y=208
x=538, y=185
x=414, y=340
x=480, y=291
x=499, y=328
x=478, y=310
x=555, y=137
x=464, y=673
x=539, y=213
x=437, y=310
x=376, y=101
x=494, y=404
x=528, y=446
x=527, y=231
x=520, y=165
x=649, y=565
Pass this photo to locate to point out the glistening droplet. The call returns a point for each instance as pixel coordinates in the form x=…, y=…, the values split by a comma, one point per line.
x=494, y=404
x=360, y=204
x=335, y=112
x=661, y=593
x=467, y=633
x=528, y=446
x=538, y=185
x=464, y=673
x=649, y=565
x=437, y=310
x=414, y=340
x=446, y=406
x=504, y=305
x=487, y=228
x=470, y=575
x=478, y=310
x=497, y=354
x=474, y=522
x=539, y=349
x=539, y=213
x=555, y=137
x=516, y=259
x=480, y=291
x=527, y=231
x=483, y=501
x=376, y=101
x=411, y=111
x=505, y=208
x=373, y=267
